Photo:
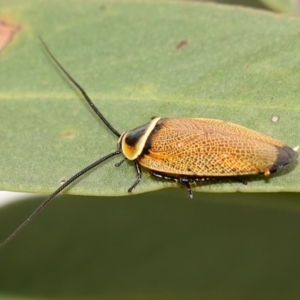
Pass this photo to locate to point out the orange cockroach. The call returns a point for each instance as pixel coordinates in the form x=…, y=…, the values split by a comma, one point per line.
x=186, y=150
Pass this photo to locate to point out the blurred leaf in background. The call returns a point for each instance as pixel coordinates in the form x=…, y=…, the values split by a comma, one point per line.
x=159, y=245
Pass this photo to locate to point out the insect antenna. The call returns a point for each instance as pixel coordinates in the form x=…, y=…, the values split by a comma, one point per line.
x=62, y=187
x=85, y=95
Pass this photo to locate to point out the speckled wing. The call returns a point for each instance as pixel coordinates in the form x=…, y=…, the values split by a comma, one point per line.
x=207, y=147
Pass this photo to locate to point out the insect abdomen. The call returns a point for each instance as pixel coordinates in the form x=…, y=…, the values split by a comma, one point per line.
x=207, y=147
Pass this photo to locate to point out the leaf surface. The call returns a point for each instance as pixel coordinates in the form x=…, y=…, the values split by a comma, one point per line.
x=136, y=60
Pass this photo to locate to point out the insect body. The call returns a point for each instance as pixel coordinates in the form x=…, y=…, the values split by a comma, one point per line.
x=185, y=150
x=194, y=149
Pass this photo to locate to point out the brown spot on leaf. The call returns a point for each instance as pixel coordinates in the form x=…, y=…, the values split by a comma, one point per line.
x=7, y=33
x=102, y=7
x=181, y=44
x=68, y=134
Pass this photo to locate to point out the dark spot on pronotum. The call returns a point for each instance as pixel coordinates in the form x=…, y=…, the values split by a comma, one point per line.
x=134, y=135
x=275, y=118
x=7, y=33
x=102, y=7
x=181, y=44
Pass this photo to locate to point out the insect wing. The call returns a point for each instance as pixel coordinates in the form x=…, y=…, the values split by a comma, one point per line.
x=207, y=147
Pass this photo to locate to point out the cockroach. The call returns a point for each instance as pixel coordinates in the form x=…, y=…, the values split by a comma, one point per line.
x=184, y=150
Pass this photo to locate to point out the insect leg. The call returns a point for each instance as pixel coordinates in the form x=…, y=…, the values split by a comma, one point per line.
x=240, y=180
x=189, y=190
x=139, y=174
x=186, y=181
x=119, y=163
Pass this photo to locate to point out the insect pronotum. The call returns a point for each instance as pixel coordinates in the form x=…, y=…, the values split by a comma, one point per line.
x=185, y=150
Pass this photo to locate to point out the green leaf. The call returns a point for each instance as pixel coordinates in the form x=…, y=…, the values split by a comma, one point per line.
x=138, y=59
